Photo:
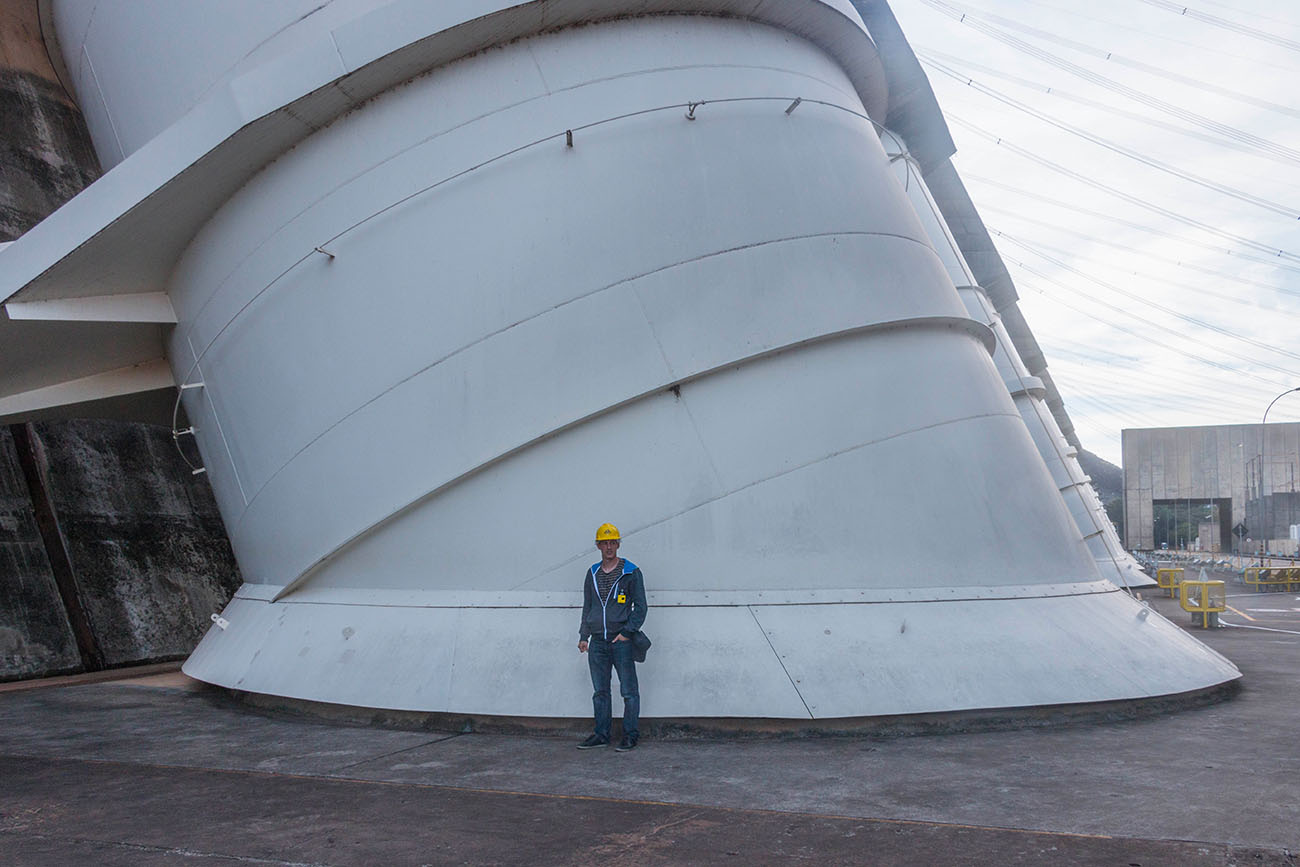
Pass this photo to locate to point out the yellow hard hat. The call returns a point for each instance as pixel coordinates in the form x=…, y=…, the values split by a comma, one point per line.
x=606, y=532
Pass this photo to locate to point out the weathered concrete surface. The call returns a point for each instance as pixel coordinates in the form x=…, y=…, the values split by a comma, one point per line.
x=1214, y=462
x=137, y=674
x=45, y=152
x=148, y=551
x=184, y=815
x=162, y=770
x=35, y=638
x=146, y=542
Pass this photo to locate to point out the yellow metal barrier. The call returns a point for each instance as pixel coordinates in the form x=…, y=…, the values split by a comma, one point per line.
x=1168, y=579
x=1264, y=578
x=1204, y=599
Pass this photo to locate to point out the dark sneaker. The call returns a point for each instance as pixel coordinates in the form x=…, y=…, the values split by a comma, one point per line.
x=626, y=744
x=592, y=742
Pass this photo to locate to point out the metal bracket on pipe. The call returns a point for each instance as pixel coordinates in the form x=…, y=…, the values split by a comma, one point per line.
x=190, y=431
x=221, y=622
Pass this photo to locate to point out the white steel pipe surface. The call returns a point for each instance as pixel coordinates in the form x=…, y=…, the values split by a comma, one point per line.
x=601, y=273
x=1094, y=525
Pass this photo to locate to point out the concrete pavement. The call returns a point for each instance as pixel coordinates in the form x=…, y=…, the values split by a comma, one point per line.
x=160, y=770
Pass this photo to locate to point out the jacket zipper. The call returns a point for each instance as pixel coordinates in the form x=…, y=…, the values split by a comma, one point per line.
x=604, y=622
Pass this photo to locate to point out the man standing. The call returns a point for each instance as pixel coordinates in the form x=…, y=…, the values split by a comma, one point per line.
x=613, y=609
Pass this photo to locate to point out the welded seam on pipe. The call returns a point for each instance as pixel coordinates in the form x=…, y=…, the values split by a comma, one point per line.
x=538, y=315
x=180, y=394
x=1029, y=593
x=456, y=127
x=781, y=662
x=972, y=328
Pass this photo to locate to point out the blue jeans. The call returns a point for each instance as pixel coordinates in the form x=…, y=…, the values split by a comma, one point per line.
x=601, y=656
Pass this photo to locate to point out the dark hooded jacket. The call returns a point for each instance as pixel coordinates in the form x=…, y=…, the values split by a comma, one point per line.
x=624, y=611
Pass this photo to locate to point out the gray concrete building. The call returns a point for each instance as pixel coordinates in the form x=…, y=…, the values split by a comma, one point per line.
x=1230, y=477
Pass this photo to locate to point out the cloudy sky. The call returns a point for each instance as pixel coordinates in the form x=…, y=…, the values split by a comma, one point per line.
x=1138, y=164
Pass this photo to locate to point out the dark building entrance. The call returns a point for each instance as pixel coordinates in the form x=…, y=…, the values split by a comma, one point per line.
x=1177, y=524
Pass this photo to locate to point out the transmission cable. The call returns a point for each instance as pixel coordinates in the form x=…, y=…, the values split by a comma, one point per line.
x=1206, y=183
x=1084, y=371
x=1243, y=29
x=1149, y=324
x=1073, y=9
x=1138, y=251
x=1245, y=302
x=928, y=56
x=1191, y=320
x=1102, y=54
x=1128, y=197
x=1178, y=284
x=1166, y=398
x=1237, y=10
x=1147, y=338
x=1133, y=417
x=1270, y=259
x=1173, y=391
x=1110, y=84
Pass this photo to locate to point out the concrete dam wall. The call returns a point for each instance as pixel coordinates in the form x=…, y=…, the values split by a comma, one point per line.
x=142, y=548
x=111, y=553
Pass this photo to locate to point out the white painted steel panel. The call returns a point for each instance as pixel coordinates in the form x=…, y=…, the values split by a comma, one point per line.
x=704, y=465
x=1090, y=516
x=886, y=659
x=318, y=416
x=138, y=378
x=730, y=334
x=114, y=48
x=908, y=174
x=779, y=661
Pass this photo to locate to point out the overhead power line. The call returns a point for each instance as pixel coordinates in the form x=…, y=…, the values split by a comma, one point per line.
x=974, y=21
x=1146, y=119
x=1140, y=386
x=1226, y=24
x=1269, y=257
x=1146, y=336
x=1091, y=12
x=1138, y=251
x=1237, y=10
x=1137, y=408
x=1128, y=416
x=1112, y=57
x=1113, y=147
x=1181, y=284
x=1133, y=296
x=1131, y=199
x=1135, y=380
